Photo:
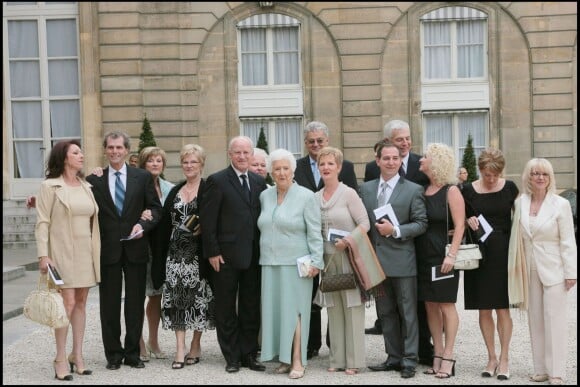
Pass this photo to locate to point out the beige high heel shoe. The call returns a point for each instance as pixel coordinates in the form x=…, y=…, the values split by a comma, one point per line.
x=67, y=377
x=72, y=363
x=297, y=374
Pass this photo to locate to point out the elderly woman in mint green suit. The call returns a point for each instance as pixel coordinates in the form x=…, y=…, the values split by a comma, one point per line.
x=290, y=228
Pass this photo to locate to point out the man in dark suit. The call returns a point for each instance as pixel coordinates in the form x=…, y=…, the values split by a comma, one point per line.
x=399, y=133
x=315, y=138
x=394, y=244
x=231, y=243
x=120, y=216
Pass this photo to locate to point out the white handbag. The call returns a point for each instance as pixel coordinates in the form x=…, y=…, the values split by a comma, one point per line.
x=46, y=306
x=468, y=255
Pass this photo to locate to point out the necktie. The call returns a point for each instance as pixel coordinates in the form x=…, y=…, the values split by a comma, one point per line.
x=316, y=173
x=382, y=198
x=402, y=171
x=245, y=186
x=119, y=193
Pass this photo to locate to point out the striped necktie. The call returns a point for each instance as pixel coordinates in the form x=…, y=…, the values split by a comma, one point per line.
x=119, y=193
x=382, y=198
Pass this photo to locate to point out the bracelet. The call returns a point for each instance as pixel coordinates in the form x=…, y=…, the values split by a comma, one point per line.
x=452, y=255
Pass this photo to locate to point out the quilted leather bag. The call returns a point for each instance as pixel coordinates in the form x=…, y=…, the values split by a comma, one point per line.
x=468, y=255
x=46, y=306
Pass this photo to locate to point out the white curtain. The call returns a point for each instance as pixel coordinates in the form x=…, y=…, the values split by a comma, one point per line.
x=25, y=80
x=437, y=50
x=254, y=58
x=285, y=56
x=470, y=45
x=288, y=136
x=439, y=128
x=252, y=130
x=476, y=124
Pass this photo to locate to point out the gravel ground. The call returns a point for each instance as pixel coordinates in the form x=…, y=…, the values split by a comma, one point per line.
x=29, y=350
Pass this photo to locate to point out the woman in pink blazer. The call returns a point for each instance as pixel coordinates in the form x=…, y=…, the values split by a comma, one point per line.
x=544, y=238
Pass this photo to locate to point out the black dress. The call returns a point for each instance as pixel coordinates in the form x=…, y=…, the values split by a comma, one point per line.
x=430, y=249
x=187, y=301
x=487, y=286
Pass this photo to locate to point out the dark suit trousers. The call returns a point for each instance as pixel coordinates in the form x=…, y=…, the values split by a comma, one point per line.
x=315, y=334
x=110, y=293
x=237, y=328
x=398, y=314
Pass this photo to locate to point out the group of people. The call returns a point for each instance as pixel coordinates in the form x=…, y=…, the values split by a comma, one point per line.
x=222, y=253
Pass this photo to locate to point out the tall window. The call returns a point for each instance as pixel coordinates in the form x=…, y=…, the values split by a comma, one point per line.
x=280, y=133
x=41, y=65
x=453, y=128
x=269, y=56
x=270, y=93
x=454, y=44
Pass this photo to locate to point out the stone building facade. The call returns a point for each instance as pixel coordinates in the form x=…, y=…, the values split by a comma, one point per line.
x=360, y=64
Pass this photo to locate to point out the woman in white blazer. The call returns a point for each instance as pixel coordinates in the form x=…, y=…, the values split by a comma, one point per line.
x=545, y=234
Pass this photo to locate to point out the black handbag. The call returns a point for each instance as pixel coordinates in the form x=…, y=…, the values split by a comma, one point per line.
x=335, y=282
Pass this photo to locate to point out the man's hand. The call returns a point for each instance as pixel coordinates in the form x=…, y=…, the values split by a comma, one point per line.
x=98, y=171
x=136, y=229
x=384, y=227
x=215, y=262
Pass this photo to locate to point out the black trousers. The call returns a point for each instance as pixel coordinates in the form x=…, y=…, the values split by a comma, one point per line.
x=315, y=335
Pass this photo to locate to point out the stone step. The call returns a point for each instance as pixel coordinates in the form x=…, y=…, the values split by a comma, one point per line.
x=12, y=272
x=18, y=228
x=18, y=237
x=18, y=219
x=22, y=245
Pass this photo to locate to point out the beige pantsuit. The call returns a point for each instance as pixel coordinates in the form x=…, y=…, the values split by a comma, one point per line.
x=347, y=332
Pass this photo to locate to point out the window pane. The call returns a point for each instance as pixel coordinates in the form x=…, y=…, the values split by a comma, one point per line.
x=23, y=39
x=61, y=37
x=437, y=50
x=288, y=136
x=476, y=124
x=28, y=164
x=252, y=130
x=470, y=48
x=254, y=60
x=63, y=77
x=285, y=56
x=24, y=79
x=439, y=128
x=26, y=120
x=65, y=119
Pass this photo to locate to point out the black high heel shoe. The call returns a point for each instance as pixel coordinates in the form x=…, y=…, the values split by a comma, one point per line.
x=72, y=364
x=431, y=371
x=67, y=378
x=446, y=375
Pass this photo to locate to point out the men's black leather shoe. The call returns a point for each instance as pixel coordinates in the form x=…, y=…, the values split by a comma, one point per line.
x=385, y=367
x=113, y=365
x=232, y=367
x=253, y=364
x=408, y=372
x=373, y=331
x=311, y=353
x=135, y=363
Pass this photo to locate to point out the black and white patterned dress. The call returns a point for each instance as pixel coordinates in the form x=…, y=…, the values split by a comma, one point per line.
x=187, y=301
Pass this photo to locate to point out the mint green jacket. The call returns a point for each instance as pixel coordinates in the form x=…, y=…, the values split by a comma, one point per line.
x=290, y=230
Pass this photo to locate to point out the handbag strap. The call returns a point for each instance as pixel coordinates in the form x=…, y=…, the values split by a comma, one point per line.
x=330, y=260
x=447, y=214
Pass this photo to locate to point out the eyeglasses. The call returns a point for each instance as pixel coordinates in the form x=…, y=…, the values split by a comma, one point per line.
x=538, y=174
x=320, y=141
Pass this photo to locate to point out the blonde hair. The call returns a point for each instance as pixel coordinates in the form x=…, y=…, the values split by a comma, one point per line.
x=442, y=163
x=193, y=149
x=151, y=151
x=538, y=165
x=492, y=159
x=330, y=151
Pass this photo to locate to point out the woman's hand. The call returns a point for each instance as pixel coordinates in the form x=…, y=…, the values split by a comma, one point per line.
x=447, y=264
x=43, y=263
x=569, y=284
x=472, y=222
x=146, y=215
x=313, y=272
x=98, y=171
x=340, y=244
